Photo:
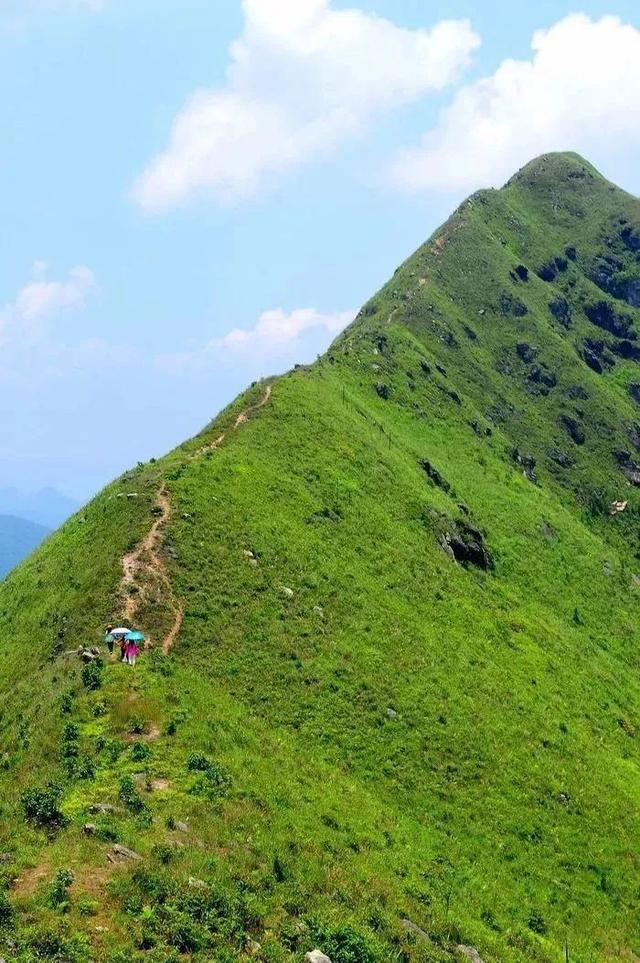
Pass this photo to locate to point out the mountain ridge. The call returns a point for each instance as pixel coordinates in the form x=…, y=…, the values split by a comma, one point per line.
x=400, y=714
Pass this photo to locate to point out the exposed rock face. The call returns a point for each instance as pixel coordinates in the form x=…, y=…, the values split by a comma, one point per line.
x=466, y=545
x=120, y=854
x=573, y=428
x=577, y=391
x=628, y=350
x=509, y=305
x=317, y=956
x=435, y=475
x=550, y=271
x=629, y=291
x=526, y=352
x=630, y=467
x=526, y=462
x=595, y=355
x=560, y=458
x=542, y=379
x=470, y=953
x=561, y=311
x=416, y=930
x=605, y=317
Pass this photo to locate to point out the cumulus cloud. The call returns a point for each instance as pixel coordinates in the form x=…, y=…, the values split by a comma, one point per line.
x=278, y=337
x=40, y=299
x=277, y=327
x=579, y=91
x=303, y=78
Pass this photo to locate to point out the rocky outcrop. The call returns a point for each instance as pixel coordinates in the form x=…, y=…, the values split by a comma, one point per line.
x=465, y=544
x=561, y=311
x=526, y=462
x=630, y=468
x=604, y=316
x=550, y=271
x=434, y=475
x=573, y=428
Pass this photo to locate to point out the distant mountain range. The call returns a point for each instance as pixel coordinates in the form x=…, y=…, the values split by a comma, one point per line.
x=47, y=507
x=18, y=537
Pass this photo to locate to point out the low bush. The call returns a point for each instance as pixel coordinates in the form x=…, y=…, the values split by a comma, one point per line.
x=129, y=795
x=41, y=806
x=58, y=897
x=92, y=675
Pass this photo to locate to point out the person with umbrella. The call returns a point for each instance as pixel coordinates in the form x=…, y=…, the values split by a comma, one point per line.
x=133, y=640
x=120, y=635
x=110, y=639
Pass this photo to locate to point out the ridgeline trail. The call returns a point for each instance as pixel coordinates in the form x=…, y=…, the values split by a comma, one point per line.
x=144, y=564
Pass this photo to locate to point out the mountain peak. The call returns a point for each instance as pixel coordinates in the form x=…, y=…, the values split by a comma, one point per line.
x=561, y=170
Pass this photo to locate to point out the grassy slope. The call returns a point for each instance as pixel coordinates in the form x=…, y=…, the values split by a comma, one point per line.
x=496, y=803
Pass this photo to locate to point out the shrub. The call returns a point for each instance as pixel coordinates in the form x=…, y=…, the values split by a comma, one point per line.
x=214, y=781
x=87, y=907
x=92, y=675
x=69, y=749
x=66, y=704
x=41, y=806
x=136, y=726
x=140, y=751
x=129, y=795
x=6, y=910
x=59, y=893
x=85, y=768
x=198, y=762
x=163, y=853
x=344, y=944
x=536, y=923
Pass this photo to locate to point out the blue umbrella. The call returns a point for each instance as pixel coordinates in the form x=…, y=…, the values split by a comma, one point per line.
x=134, y=637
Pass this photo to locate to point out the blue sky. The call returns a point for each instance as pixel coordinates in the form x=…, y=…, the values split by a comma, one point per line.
x=162, y=248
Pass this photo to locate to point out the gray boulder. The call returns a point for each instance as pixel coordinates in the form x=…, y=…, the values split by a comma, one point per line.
x=470, y=953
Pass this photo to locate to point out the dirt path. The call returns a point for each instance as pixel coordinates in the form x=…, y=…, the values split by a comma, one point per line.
x=240, y=420
x=143, y=564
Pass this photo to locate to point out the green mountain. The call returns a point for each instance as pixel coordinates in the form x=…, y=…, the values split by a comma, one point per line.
x=391, y=709
x=18, y=537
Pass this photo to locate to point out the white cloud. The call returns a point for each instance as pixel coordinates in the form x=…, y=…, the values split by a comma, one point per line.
x=580, y=91
x=277, y=327
x=278, y=337
x=303, y=78
x=25, y=318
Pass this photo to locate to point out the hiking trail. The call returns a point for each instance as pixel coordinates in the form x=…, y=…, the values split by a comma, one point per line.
x=242, y=418
x=144, y=565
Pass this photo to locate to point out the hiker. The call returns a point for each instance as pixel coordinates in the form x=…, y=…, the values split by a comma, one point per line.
x=110, y=639
x=119, y=636
x=131, y=651
x=133, y=641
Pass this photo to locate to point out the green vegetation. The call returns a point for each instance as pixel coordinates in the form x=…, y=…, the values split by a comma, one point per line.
x=401, y=714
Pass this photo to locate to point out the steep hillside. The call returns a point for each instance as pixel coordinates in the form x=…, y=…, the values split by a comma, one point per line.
x=18, y=537
x=392, y=703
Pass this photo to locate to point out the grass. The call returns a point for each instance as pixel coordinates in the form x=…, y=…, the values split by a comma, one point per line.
x=352, y=730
